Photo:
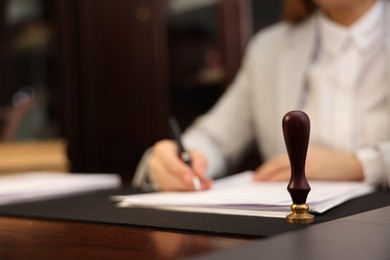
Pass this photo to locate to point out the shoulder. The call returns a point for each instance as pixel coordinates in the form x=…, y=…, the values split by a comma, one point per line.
x=278, y=36
x=270, y=36
x=274, y=32
x=266, y=44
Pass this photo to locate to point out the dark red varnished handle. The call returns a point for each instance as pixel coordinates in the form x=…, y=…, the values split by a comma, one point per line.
x=296, y=132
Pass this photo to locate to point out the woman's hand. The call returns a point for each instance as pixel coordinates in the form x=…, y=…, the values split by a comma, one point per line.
x=171, y=173
x=321, y=164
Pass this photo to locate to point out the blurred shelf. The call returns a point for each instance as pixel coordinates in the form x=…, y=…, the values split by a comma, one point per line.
x=25, y=156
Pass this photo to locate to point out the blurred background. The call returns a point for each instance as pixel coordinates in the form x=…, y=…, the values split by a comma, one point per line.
x=88, y=85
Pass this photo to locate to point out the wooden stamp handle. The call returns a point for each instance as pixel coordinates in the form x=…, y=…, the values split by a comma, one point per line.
x=296, y=132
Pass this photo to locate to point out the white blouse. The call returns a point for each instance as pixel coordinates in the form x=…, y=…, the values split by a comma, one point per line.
x=346, y=88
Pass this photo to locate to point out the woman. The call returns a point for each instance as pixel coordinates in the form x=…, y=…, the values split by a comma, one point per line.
x=328, y=58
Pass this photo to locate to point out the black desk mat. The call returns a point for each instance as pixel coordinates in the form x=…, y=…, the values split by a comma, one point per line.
x=97, y=207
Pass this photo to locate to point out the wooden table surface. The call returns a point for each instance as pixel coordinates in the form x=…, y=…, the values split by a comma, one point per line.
x=28, y=238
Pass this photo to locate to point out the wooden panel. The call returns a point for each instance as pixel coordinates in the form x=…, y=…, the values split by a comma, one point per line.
x=119, y=83
x=66, y=21
x=236, y=29
x=5, y=58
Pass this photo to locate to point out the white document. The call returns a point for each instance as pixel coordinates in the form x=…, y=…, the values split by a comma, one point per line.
x=41, y=185
x=240, y=195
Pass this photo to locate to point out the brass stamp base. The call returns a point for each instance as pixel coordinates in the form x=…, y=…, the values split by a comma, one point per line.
x=300, y=214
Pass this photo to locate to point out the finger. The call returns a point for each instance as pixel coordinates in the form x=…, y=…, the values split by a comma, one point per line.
x=199, y=163
x=206, y=183
x=172, y=173
x=282, y=174
x=199, y=166
x=168, y=181
x=166, y=153
x=269, y=168
x=160, y=175
x=167, y=162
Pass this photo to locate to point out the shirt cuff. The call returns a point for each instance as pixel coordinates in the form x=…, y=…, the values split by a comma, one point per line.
x=216, y=165
x=372, y=164
x=141, y=179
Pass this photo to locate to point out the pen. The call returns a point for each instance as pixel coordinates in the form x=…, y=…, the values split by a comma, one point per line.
x=184, y=155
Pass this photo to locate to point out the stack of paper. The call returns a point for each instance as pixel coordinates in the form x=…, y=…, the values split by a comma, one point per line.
x=240, y=195
x=37, y=186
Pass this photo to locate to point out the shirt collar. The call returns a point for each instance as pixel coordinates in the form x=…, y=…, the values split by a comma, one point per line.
x=363, y=33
